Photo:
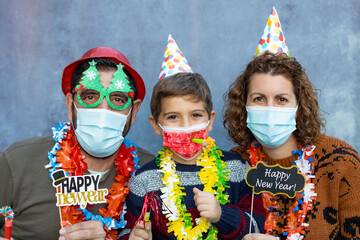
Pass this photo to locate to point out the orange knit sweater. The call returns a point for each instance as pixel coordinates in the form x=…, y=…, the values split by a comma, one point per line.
x=336, y=213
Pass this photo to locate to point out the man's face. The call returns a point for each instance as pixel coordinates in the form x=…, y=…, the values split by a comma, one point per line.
x=91, y=91
x=119, y=99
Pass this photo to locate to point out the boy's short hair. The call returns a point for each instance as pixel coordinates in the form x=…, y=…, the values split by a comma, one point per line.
x=180, y=84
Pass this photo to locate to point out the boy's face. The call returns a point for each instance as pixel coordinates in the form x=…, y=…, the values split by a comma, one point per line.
x=182, y=111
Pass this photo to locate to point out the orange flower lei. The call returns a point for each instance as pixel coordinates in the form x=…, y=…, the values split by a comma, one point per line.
x=295, y=225
x=66, y=155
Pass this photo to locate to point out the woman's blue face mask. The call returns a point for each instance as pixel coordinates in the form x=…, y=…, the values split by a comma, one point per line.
x=271, y=126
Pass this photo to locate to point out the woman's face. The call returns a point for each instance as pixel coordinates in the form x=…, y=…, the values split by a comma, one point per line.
x=267, y=90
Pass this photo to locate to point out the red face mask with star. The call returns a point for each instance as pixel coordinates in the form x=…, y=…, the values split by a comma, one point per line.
x=178, y=139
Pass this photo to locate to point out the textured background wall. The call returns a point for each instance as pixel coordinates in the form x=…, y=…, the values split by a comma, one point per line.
x=39, y=38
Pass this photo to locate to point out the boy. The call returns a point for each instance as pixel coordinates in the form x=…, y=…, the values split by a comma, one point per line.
x=181, y=108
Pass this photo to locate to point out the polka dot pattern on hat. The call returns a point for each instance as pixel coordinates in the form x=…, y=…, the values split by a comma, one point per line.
x=273, y=39
x=173, y=61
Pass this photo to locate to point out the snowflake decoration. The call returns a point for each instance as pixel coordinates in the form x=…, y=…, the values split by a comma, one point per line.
x=91, y=75
x=119, y=84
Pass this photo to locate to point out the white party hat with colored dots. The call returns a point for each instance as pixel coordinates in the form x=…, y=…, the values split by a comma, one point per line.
x=174, y=61
x=273, y=39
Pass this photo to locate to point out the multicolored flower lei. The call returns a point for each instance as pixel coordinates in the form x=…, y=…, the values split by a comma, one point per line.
x=214, y=178
x=66, y=155
x=294, y=229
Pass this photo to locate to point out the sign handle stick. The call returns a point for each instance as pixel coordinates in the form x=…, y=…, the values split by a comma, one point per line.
x=251, y=213
x=61, y=222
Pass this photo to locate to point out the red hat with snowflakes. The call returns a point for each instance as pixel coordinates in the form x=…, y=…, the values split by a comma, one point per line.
x=103, y=52
x=273, y=39
x=173, y=61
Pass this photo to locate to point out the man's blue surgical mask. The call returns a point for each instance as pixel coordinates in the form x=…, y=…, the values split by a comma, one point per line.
x=271, y=126
x=100, y=131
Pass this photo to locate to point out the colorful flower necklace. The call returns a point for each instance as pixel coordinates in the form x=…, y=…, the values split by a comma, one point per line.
x=294, y=229
x=214, y=178
x=66, y=155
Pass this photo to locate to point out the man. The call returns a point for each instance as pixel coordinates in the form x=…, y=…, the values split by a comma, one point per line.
x=103, y=95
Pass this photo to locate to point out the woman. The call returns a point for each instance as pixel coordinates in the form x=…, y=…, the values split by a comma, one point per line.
x=270, y=111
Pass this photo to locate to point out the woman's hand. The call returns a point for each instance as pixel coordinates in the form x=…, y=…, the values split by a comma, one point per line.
x=258, y=236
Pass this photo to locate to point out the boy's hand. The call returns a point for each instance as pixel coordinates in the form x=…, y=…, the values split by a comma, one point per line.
x=141, y=233
x=207, y=205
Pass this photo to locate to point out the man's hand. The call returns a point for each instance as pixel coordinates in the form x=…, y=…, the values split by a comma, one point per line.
x=84, y=230
x=258, y=236
x=141, y=233
x=207, y=205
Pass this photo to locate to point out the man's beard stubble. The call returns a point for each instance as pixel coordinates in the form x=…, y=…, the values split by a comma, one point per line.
x=125, y=132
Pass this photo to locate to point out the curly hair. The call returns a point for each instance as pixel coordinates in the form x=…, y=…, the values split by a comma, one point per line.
x=309, y=120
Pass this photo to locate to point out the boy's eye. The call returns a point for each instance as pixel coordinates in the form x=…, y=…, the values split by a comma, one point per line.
x=197, y=115
x=172, y=117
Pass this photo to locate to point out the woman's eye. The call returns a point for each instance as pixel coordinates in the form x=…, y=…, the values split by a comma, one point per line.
x=258, y=99
x=282, y=100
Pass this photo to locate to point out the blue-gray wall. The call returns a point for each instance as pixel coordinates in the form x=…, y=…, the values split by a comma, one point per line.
x=39, y=38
